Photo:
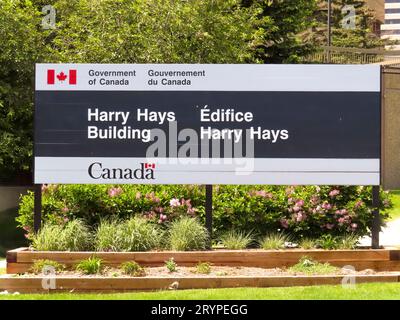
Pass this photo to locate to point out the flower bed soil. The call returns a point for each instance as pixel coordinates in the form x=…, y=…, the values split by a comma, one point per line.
x=21, y=260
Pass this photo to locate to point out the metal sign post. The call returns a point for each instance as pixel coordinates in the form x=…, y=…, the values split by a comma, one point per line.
x=376, y=218
x=208, y=209
x=37, y=216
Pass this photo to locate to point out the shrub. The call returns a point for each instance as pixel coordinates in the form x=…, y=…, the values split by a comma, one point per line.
x=140, y=235
x=132, y=268
x=309, y=266
x=236, y=240
x=307, y=243
x=171, y=265
x=49, y=238
x=77, y=236
x=93, y=265
x=303, y=212
x=108, y=236
x=328, y=242
x=73, y=236
x=203, y=268
x=187, y=234
x=135, y=234
x=345, y=242
x=274, y=241
x=348, y=242
x=39, y=266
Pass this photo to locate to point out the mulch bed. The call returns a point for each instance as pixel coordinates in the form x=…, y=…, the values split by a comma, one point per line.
x=216, y=271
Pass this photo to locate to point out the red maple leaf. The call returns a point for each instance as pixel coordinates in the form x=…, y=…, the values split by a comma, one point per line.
x=61, y=76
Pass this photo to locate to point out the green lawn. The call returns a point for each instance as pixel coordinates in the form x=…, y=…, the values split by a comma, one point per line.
x=373, y=291
x=395, y=211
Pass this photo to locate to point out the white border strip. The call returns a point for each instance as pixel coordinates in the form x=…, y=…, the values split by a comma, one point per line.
x=220, y=77
x=217, y=171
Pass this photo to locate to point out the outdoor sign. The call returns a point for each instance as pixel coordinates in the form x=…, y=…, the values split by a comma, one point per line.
x=207, y=124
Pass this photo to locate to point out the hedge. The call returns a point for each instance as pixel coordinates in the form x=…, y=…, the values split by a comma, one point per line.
x=301, y=211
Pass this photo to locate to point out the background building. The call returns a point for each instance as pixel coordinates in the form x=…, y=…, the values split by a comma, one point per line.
x=378, y=6
x=391, y=27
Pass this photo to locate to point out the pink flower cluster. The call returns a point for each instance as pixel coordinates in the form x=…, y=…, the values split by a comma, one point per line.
x=182, y=204
x=162, y=219
x=174, y=202
x=49, y=187
x=334, y=193
x=318, y=210
x=322, y=208
x=359, y=204
x=297, y=209
x=114, y=192
x=261, y=193
x=152, y=197
x=284, y=223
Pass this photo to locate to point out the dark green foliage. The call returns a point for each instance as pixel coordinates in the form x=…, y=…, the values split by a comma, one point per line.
x=93, y=265
x=284, y=22
x=301, y=212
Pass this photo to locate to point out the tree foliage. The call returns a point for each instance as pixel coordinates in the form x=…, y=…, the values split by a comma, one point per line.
x=155, y=31
x=21, y=46
x=284, y=21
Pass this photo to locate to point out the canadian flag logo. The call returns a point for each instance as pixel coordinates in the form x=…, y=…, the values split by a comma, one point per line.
x=149, y=166
x=61, y=77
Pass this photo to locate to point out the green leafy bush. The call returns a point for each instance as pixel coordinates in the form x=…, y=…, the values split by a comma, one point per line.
x=132, y=268
x=345, y=242
x=274, y=241
x=203, y=268
x=39, y=266
x=93, y=265
x=302, y=212
x=237, y=240
x=328, y=242
x=348, y=242
x=309, y=266
x=134, y=234
x=187, y=234
x=171, y=265
x=71, y=236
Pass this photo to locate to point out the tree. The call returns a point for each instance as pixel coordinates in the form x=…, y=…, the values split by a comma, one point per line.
x=155, y=31
x=284, y=22
x=21, y=46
